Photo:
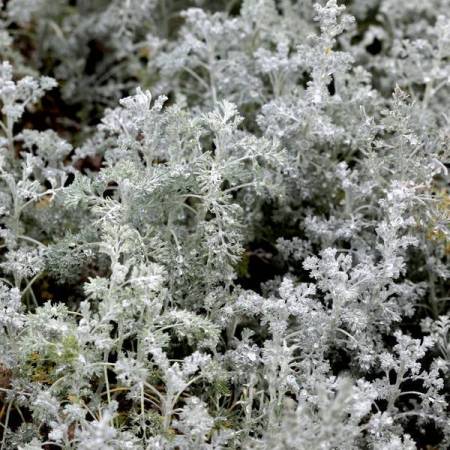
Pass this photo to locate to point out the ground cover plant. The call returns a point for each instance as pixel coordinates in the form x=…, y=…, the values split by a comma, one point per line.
x=224, y=224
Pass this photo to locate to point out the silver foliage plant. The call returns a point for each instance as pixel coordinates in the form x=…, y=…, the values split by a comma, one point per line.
x=308, y=141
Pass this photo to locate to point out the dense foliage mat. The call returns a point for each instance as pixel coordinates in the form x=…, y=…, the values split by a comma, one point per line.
x=224, y=224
